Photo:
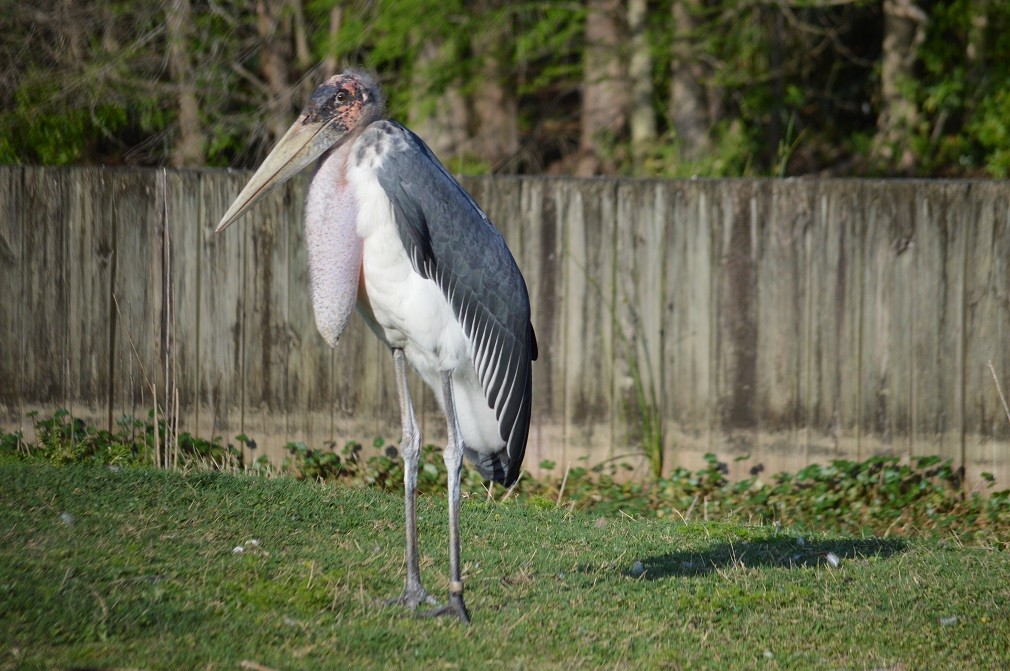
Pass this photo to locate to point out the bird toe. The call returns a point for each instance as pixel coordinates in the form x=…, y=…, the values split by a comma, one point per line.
x=412, y=598
x=455, y=608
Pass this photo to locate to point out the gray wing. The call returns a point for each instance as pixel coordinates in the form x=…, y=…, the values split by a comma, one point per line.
x=450, y=240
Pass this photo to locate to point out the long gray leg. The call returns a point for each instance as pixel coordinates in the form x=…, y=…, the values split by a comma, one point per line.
x=453, y=457
x=414, y=593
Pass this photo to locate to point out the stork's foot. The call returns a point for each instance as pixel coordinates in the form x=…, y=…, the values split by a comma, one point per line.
x=412, y=597
x=455, y=608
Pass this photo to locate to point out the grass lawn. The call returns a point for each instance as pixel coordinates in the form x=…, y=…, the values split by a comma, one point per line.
x=137, y=569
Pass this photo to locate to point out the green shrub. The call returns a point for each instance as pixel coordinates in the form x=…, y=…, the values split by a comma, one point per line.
x=881, y=495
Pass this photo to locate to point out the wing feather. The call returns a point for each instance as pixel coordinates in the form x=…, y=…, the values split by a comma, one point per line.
x=449, y=239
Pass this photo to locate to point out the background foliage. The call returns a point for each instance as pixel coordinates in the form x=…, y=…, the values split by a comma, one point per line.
x=880, y=496
x=706, y=87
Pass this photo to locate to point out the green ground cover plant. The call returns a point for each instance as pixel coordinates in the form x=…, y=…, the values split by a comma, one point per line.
x=882, y=496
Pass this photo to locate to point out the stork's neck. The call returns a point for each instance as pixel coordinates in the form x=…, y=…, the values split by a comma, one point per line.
x=331, y=239
x=334, y=162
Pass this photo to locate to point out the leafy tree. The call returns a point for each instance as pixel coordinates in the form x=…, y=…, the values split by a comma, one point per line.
x=688, y=87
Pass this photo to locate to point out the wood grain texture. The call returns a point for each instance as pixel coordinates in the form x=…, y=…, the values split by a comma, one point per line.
x=13, y=226
x=45, y=286
x=529, y=216
x=142, y=292
x=587, y=230
x=789, y=321
x=987, y=328
x=782, y=212
x=688, y=296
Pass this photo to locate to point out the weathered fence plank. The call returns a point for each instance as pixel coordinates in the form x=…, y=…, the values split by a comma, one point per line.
x=950, y=215
x=897, y=215
x=185, y=268
x=785, y=320
x=847, y=367
x=219, y=296
x=689, y=391
x=265, y=307
x=587, y=233
x=639, y=365
x=12, y=304
x=782, y=212
x=44, y=288
x=880, y=362
x=987, y=324
x=735, y=310
x=548, y=303
x=141, y=291
x=530, y=254
x=820, y=337
x=90, y=239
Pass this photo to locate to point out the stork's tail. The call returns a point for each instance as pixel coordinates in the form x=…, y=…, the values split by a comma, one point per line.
x=491, y=466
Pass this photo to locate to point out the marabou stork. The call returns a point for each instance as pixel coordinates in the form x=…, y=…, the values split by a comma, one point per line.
x=389, y=229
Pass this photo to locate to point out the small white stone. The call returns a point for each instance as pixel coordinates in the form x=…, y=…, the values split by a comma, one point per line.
x=833, y=560
x=66, y=518
x=637, y=569
x=948, y=621
x=253, y=543
x=238, y=550
x=768, y=654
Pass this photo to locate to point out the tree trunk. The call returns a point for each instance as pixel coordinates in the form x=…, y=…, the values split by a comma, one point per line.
x=975, y=51
x=643, y=118
x=330, y=63
x=904, y=25
x=440, y=118
x=72, y=24
x=688, y=114
x=495, y=107
x=275, y=54
x=303, y=55
x=307, y=78
x=774, y=23
x=605, y=90
x=188, y=149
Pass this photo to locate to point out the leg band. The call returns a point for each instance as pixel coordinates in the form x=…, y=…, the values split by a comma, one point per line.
x=455, y=587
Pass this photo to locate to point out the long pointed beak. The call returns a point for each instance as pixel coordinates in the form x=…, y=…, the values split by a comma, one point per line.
x=303, y=143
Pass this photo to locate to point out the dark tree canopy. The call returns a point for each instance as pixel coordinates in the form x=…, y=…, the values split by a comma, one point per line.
x=645, y=87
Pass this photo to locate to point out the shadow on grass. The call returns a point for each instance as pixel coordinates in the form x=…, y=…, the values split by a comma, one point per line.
x=777, y=553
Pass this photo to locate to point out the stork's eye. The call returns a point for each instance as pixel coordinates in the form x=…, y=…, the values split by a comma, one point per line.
x=341, y=96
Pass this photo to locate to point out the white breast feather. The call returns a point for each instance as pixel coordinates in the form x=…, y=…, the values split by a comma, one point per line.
x=413, y=313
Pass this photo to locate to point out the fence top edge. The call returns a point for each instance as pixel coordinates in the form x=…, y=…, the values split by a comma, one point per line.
x=552, y=179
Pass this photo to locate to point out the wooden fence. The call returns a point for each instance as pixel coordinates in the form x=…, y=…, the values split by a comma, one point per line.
x=792, y=321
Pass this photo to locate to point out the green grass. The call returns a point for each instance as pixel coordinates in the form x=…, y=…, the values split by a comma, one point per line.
x=881, y=495
x=144, y=576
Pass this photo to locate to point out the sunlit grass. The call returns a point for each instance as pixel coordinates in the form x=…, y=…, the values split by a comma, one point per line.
x=138, y=568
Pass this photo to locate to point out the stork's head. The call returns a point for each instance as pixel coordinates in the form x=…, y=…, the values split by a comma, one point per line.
x=337, y=110
x=344, y=102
